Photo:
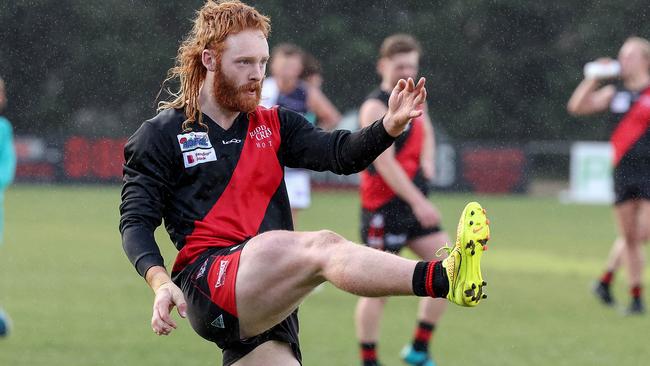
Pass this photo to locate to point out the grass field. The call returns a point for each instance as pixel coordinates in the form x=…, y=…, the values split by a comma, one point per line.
x=76, y=300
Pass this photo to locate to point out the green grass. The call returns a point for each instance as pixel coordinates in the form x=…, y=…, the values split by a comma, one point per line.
x=76, y=300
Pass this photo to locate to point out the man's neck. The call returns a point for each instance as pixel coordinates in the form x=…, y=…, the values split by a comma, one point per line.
x=637, y=83
x=221, y=116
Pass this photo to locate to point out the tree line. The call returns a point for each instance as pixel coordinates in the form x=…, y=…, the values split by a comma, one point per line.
x=499, y=70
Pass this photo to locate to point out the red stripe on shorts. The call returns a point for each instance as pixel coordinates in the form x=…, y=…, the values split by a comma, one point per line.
x=221, y=279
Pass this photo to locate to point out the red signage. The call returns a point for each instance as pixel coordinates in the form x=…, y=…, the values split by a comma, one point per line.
x=98, y=159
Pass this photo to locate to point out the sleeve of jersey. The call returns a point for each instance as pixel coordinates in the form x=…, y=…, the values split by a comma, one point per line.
x=340, y=151
x=144, y=191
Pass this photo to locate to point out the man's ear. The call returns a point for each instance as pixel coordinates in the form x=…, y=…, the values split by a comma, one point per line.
x=209, y=60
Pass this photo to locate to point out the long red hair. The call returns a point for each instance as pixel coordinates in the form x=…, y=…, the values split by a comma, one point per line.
x=214, y=22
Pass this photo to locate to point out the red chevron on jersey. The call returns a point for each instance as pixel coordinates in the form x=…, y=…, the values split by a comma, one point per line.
x=632, y=127
x=239, y=211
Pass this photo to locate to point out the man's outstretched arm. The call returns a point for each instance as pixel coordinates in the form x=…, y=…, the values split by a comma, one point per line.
x=345, y=152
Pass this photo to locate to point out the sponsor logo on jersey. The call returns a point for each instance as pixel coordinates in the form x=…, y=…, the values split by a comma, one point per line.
x=198, y=156
x=262, y=136
x=194, y=140
x=221, y=278
x=261, y=133
x=232, y=141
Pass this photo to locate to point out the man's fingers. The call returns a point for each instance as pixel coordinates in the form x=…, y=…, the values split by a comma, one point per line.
x=420, y=84
x=410, y=85
x=164, y=320
x=422, y=96
x=182, y=309
x=164, y=314
x=159, y=326
x=167, y=297
x=401, y=84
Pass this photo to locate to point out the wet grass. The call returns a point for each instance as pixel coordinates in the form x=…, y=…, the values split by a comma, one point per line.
x=76, y=300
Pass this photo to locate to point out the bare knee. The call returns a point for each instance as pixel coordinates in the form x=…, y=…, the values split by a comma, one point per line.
x=317, y=247
x=322, y=239
x=632, y=239
x=317, y=243
x=644, y=235
x=306, y=247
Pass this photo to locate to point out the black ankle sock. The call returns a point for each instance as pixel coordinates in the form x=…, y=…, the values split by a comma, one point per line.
x=430, y=279
x=440, y=280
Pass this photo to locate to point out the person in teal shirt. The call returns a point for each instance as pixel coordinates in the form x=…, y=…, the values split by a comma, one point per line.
x=7, y=155
x=7, y=170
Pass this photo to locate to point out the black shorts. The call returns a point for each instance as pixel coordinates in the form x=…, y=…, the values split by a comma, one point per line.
x=391, y=226
x=632, y=180
x=209, y=288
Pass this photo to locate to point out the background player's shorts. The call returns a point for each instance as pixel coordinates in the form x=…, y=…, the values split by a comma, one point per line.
x=208, y=284
x=298, y=187
x=632, y=180
x=391, y=226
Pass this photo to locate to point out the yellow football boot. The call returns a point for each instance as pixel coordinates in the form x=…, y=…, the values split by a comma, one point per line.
x=463, y=265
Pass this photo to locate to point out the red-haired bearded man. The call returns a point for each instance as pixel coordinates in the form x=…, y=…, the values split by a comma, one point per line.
x=211, y=164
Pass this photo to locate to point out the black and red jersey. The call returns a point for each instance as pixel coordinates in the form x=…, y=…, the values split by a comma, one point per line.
x=375, y=192
x=217, y=188
x=630, y=115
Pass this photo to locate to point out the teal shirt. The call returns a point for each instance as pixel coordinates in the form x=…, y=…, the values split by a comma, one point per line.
x=7, y=153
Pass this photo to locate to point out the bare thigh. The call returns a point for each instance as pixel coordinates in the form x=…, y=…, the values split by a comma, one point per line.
x=269, y=353
x=277, y=270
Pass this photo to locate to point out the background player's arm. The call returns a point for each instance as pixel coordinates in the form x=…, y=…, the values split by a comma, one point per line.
x=428, y=155
x=327, y=114
x=588, y=98
x=393, y=174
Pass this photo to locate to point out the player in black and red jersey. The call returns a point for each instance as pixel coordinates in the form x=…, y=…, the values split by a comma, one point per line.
x=629, y=105
x=211, y=165
x=395, y=209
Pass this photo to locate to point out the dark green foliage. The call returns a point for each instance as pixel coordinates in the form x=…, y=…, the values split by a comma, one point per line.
x=497, y=70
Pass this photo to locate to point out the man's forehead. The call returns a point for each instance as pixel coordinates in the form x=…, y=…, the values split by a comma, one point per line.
x=247, y=43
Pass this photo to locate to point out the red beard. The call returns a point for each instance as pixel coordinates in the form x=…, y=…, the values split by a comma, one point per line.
x=234, y=98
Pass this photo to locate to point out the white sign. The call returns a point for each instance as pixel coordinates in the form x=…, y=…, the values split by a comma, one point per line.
x=591, y=178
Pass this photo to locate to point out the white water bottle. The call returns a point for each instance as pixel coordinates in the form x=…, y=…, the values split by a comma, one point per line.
x=602, y=69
